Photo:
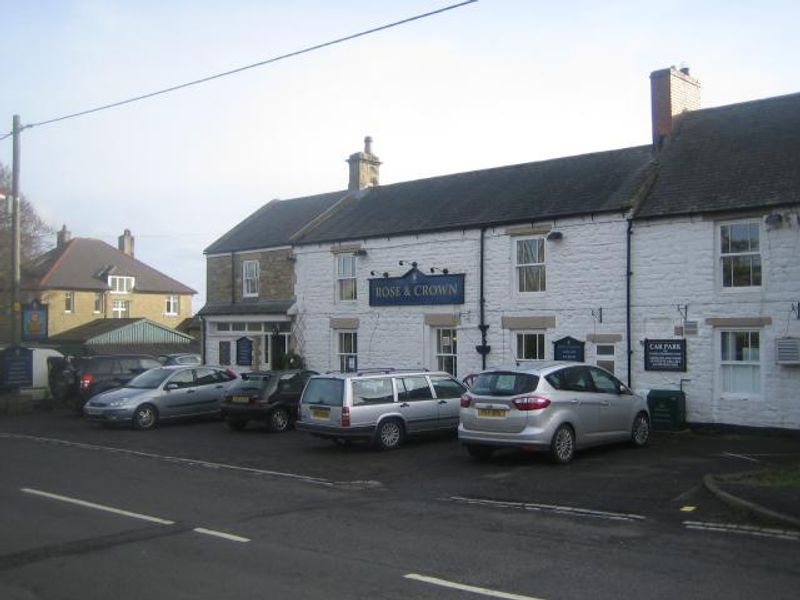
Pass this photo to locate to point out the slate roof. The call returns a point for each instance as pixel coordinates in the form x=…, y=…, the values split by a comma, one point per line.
x=728, y=158
x=80, y=263
x=575, y=185
x=264, y=307
x=274, y=223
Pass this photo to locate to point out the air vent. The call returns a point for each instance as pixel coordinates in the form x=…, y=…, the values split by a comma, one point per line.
x=787, y=351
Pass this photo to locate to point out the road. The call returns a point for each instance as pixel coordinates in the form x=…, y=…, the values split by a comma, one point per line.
x=193, y=510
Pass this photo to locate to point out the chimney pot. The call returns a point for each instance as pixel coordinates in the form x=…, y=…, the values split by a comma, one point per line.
x=125, y=243
x=673, y=92
x=62, y=237
x=364, y=168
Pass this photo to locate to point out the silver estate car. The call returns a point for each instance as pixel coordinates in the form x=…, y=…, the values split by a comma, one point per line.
x=162, y=393
x=380, y=405
x=556, y=407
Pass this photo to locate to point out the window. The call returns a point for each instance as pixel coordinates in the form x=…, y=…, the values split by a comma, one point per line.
x=446, y=387
x=206, y=376
x=530, y=265
x=603, y=382
x=446, y=351
x=346, y=277
x=373, y=391
x=120, y=285
x=173, y=305
x=99, y=303
x=348, y=351
x=69, y=302
x=183, y=379
x=605, y=356
x=740, y=256
x=410, y=389
x=250, y=278
x=740, y=361
x=530, y=346
x=223, y=326
x=121, y=309
x=225, y=353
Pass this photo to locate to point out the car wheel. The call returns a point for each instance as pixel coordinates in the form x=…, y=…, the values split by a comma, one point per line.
x=236, y=424
x=390, y=434
x=640, y=433
x=562, y=448
x=480, y=452
x=279, y=420
x=145, y=417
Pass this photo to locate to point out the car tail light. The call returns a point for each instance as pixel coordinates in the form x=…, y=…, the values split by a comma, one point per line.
x=465, y=400
x=531, y=402
x=345, y=416
x=86, y=381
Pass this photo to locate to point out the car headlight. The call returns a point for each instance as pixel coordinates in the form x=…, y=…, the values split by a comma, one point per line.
x=118, y=403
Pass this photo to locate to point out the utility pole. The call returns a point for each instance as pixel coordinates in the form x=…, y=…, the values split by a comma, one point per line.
x=16, y=313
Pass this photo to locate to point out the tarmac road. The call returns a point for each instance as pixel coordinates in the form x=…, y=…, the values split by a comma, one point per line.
x=193, y=510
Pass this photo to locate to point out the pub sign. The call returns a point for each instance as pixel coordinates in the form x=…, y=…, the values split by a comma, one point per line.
x=34, y=322
x=416, y=288
x=568, y=348
x=665, y=355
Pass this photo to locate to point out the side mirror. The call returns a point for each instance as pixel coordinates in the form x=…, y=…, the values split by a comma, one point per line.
x=171, y=386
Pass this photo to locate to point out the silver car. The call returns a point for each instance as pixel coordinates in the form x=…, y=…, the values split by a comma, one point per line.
x=162, y=393
x=556, y=407
x=382, y=406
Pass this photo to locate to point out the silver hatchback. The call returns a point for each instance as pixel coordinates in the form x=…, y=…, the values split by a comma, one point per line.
x=556, y=407
x=382, y=406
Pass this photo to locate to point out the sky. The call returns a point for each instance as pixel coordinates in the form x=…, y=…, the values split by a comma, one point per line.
x=492, y=83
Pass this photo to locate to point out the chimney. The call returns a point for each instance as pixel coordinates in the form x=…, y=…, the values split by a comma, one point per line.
x=363, y=167
x=672, y=92
x=125, y=243
x=62, y=237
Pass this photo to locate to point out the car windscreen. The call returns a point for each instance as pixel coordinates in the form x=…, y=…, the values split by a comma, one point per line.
x=250, y=383
x=329, y=392
x=498, y=383
x=150, y=379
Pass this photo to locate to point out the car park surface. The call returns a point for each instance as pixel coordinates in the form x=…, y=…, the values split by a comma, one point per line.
x=162, y=393
x=270, y=397
x=382, y=406
x=554, y=407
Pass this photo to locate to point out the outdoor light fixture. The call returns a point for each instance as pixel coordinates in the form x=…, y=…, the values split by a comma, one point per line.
x=554, y=235
x=406, y=262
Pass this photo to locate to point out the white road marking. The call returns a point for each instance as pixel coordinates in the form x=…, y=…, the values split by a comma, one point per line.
x=742, y=456
x=566, y=510
x=467, y=588
x=174, y=459
x=221, y=534
x=102, y=507
x=783, y=534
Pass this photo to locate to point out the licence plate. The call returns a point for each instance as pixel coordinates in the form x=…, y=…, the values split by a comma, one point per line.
x=240, y=399
x=320, y=413
x=492, y=412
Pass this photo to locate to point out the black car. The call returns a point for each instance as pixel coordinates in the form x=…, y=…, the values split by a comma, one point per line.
x=76, y=380
x=269, y=396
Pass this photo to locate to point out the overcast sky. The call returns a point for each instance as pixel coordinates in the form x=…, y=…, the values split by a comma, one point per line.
x=492, y=83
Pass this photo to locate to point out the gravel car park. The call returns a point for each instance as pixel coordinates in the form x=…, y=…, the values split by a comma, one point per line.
x=555, y=407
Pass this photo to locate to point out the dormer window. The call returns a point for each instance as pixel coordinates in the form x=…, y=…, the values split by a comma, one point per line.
x=120, y=285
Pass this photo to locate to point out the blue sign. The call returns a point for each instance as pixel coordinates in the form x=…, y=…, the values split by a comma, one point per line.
x=17, y=367
x=416, y=288
x=568, y=348
x=34, y=322
x=244, y=351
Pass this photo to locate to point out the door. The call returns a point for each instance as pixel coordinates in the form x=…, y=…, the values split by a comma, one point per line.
x=416, y=403
x=614, y=408
x=448, y=398
x=578, y=391
x=210, y=389
x=180, y=395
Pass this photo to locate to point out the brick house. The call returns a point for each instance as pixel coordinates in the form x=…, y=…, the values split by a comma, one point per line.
x=85, y=279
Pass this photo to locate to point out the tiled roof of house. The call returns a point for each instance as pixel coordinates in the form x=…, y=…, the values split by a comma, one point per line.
x=274, y=223
x=730, y=158
x=86, y=263
x=585, y=184
x=262, y=307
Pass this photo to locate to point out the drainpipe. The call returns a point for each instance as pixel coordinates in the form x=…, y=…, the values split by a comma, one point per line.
x=483, y=349
x=628, y=276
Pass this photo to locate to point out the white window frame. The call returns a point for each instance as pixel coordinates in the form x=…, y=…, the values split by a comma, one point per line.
x=541, y=344
x=726, y=365
x=172, y=305
x=121, y=284
x=604, y=358
x=251, y=272
x=69, y=302
x=344, y=354
x=99, y=303
x=121, y=309
x=537, y=263
x=346, y=293
x=725, y=256
x=446, y=353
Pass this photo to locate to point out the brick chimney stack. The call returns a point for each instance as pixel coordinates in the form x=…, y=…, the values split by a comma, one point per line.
x=672, y=92
x=125, y=243
x=62, y=237
x=364, y=167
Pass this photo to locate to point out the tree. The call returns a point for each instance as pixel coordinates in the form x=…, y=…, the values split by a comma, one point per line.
x=35, y=235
